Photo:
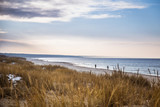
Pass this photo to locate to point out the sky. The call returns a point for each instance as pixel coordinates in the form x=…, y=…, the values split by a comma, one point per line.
x=108, y=28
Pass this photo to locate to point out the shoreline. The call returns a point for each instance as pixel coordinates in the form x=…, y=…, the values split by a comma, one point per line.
x=71, y=66
x=87, y=69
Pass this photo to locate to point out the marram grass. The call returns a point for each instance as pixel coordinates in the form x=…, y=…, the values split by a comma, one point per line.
x=55, y=86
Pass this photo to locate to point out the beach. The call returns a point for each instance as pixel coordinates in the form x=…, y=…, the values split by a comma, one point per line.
x=79, y=53
x=88, y=69
x=34, y=83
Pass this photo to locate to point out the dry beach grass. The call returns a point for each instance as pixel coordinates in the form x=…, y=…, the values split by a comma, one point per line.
x=55, y=86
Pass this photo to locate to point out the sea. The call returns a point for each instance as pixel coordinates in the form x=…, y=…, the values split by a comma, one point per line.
x=141, y=65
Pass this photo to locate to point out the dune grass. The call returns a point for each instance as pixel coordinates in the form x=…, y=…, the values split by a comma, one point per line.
x=55, y=86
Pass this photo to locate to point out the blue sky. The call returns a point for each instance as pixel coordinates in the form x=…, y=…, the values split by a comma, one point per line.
x=114, y=28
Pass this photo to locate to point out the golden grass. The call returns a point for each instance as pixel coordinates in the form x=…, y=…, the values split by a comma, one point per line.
x=47, y=86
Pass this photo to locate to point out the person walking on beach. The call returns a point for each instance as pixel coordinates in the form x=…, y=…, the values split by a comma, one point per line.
x=95, y=65
x=107, y=67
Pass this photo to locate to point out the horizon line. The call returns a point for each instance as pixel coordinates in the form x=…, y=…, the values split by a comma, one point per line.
x=88, y=56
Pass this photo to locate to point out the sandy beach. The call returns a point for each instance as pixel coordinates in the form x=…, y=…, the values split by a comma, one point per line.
x=87, y=69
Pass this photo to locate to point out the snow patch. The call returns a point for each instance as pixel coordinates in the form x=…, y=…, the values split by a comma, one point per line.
x=13, y=78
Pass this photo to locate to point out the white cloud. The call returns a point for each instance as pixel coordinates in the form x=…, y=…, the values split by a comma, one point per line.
x=2, y=31
x=34, y=19
x=61, y=10
x=101, y=16
x=119, y=5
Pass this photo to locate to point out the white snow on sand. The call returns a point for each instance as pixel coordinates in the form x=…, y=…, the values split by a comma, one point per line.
x=14, y=78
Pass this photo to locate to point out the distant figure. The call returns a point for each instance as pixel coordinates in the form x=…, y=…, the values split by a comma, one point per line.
x=107, y=67
x=95, y=65
x=90, y=72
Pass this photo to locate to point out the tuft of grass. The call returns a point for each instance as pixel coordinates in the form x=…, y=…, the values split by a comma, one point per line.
x=47, y=85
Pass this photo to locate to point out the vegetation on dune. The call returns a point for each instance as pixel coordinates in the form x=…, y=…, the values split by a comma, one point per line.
x=47, y=86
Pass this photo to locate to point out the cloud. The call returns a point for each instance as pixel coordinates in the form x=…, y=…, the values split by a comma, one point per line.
x=11, y=43
x=16, y=46
x=61, y=10
x=101, y=16
x=2, y=31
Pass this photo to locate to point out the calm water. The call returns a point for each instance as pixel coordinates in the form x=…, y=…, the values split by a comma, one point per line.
x=129, y=64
